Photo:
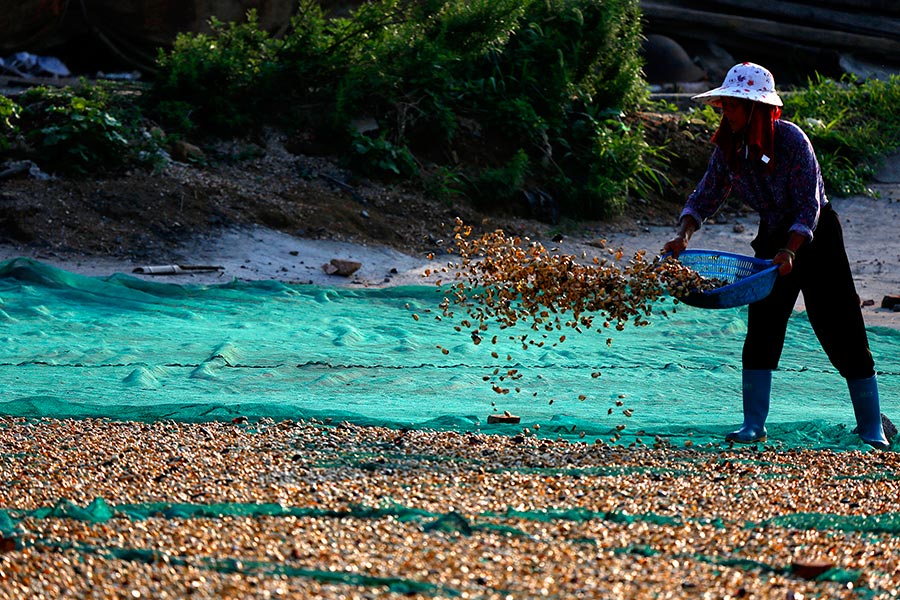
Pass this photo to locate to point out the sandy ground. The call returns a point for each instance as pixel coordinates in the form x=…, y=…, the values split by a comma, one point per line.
x=871, y=230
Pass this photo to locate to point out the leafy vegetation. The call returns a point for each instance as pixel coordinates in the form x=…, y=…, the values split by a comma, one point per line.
x=220, y=82
x=9, y=111
x=851, y=124
x=76, y=131
x=380, y=158
x=521, y=79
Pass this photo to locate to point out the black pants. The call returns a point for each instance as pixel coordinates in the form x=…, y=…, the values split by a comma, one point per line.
x=822, y=272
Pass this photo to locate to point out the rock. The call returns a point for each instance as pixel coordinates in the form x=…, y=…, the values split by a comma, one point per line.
x=890, y=301
x=344, y=268
x=504, y=418
x=714, y=60
x=364, y=125
x=186, y=153
x=542, y=206
x=13, y=168
x=890, y=430
x=864, y=69
x=665, y=61
x=889, y=171
x=810, y=568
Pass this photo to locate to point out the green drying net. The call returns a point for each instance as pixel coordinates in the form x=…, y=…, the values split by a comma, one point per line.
x=119, y=347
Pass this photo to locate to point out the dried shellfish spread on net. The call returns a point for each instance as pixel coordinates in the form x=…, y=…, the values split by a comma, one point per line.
x=509, y=280
x=519, y=285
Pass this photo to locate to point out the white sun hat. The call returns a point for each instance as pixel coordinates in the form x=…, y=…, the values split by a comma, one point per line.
x=746, y=80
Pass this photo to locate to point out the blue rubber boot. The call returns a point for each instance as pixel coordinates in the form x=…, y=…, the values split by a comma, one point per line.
x=866, y=406
x=756, y=387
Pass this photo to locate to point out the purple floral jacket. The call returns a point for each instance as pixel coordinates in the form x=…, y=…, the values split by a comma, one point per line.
x=790, y=199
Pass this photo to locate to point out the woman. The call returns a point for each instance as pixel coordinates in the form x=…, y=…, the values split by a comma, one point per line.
x=770, y=164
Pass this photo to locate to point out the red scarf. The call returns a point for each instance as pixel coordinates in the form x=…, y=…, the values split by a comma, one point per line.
x=757, y=140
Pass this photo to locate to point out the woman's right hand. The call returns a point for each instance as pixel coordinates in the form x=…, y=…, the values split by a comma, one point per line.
x=676, y=245
x=686, y=228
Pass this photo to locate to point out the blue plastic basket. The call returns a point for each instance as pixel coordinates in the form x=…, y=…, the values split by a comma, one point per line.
x=749, y=279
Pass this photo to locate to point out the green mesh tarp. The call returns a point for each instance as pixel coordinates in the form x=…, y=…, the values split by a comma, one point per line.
x=124, y=348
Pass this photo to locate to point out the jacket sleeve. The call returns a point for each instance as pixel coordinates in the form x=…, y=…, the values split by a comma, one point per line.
x=805, y=186
x=712, y=190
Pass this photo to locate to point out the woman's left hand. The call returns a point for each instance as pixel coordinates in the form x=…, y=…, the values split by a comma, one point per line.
x=786, y=260
x=787, y=254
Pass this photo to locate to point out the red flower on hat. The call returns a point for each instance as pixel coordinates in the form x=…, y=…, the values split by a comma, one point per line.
x=750, y=82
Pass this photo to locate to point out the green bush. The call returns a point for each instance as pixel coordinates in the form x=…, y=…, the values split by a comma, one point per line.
x=312, y=58
x=76, y=132
x=498, y=186
x=228, y=77
x=490, y=76
x=851, y=124
x=443, y=184
x=379, y=158
x=525, y=76
x=9, y=112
